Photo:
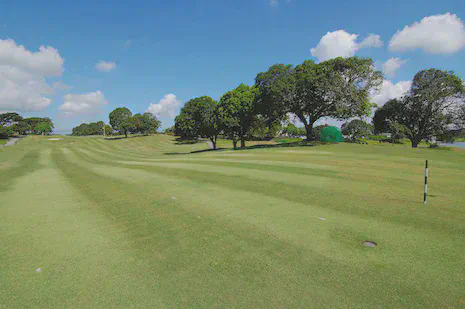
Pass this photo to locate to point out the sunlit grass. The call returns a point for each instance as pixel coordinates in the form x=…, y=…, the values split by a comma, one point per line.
x=146, y=222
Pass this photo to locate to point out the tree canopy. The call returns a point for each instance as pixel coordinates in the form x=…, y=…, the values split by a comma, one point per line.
x=146, y=123
x=43, y=128
x=357, y=129
x=93, y=128
x=199, y=118
x=337, y=88
x=120, y=120
x=293, y=131
x=431, y=107
x=13, y=123
x=237, y=112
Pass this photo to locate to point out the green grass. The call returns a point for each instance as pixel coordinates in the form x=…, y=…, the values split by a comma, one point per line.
x=141, y=222
x=3, y=141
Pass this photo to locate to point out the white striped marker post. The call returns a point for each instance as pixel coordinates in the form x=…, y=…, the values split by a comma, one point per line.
x=426, y=182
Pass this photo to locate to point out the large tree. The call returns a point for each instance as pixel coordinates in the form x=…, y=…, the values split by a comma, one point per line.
x=146, y=123
x=43, y=128
x=276, y=90
x=120, y=120
x=32, y=122
x=237, y=110
x=337, y=88
x=430, y=108
x=199, y=118
x=93, y=128
x=356, y=129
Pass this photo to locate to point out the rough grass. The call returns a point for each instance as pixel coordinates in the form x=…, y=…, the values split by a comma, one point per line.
x=125, y=223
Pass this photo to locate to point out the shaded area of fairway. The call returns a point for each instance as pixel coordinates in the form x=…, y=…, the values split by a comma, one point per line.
x=118, y=223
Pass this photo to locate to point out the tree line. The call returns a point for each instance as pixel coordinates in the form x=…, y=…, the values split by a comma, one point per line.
x=13, y=124
x=339, y=88
x=123, y=121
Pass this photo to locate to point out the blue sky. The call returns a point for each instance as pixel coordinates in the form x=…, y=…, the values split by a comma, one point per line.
x=171, y=51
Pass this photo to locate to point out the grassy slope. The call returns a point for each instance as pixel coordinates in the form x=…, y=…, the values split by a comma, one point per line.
x=3, y=141
x=133, y=222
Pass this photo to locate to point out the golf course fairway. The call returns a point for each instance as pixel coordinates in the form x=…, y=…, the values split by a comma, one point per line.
x=143, y=222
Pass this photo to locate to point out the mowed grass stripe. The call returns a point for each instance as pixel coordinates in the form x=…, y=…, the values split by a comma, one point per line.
x=222, y=199
x=385, y=206
x=79, y=254
x=195, y=238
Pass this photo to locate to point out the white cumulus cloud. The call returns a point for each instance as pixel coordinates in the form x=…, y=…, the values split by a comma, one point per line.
x=74, y=104
x=60, y=86
x=437, y=34
x=373, y=40
x=166, y=108
x=340, y=43
x=105, y=66
x=23, y=84
x=389, y=91
x=392, y=65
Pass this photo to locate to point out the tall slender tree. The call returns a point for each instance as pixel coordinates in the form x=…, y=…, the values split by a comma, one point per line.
x=199, y=118
x=237, y=111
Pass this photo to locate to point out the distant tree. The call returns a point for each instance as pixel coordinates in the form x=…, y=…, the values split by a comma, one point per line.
x=237, y=112
x=93, y=128
x=357, y=129
x=293, y=131
x=120, y=120
x=170, y=131
x=108, y=130
x=199, y=118
x=9, y=118
x=32, y=122
x=436, y=98
x=5, y=132
x=146, y=123
x=22, y=127
x=262, y=129
x=43, y=128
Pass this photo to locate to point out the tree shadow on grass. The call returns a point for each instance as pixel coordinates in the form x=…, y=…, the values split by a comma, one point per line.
x=123, y=137
x=280, y=145
x=263, y=146
x=194, y=152
x=180, y=141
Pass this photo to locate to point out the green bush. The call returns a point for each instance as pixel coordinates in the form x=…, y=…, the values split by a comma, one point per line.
x=5, y=132
x=377, y=137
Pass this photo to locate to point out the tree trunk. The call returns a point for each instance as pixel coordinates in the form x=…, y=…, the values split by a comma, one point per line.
x=414, y=143
x=126, y=134
x=242, y=142
x=213, y=140
x=309, y=129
